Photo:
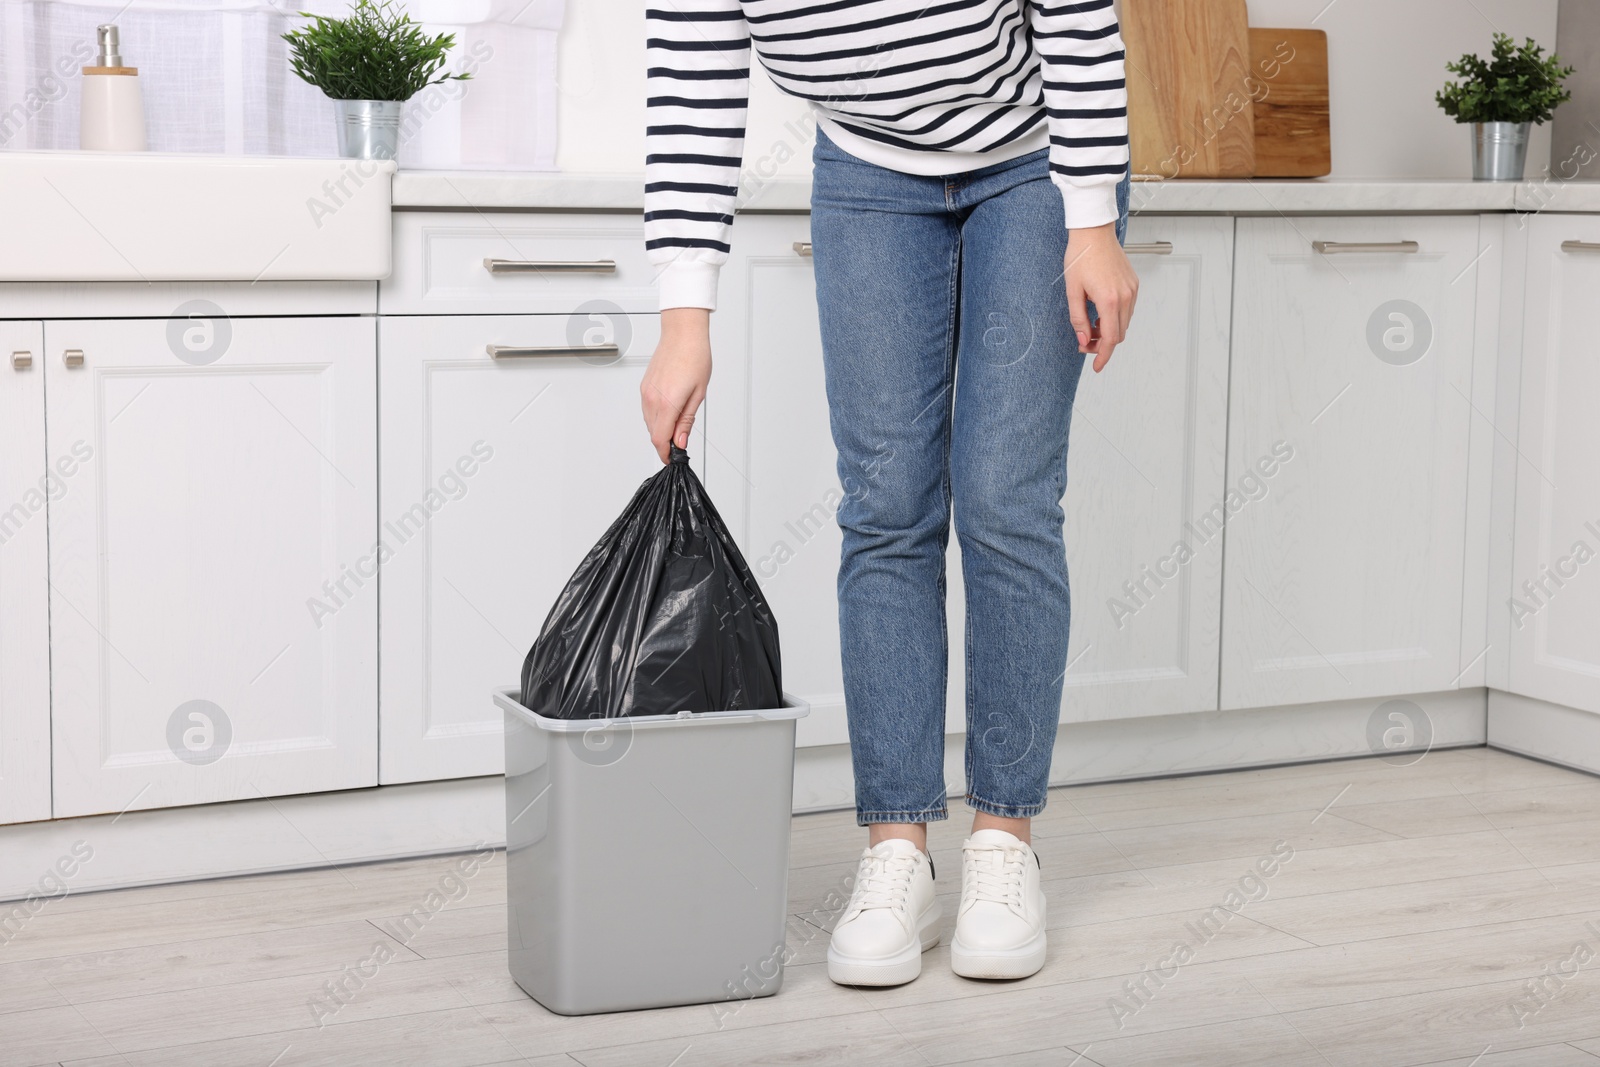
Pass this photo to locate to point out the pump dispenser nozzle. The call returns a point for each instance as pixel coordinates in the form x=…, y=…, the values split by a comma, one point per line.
x=110, y=54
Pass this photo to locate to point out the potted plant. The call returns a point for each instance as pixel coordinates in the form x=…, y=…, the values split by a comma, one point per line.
x=1501, y=98
x=369, y=63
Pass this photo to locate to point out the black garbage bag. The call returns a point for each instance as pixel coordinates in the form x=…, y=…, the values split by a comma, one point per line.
x=662, y=616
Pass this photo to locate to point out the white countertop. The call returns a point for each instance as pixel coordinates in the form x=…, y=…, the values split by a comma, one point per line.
x=533, y=191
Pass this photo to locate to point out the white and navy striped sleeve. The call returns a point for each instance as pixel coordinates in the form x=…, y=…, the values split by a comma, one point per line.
x=698, y=85
x=1086, y=104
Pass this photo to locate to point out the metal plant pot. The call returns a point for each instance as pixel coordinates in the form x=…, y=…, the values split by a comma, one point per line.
x=1499, y=151
x=368, y=129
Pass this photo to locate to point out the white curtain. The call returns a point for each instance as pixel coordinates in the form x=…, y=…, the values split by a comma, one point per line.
x=216, y=79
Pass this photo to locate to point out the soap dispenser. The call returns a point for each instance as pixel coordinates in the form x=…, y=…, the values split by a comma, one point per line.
x=112, y=116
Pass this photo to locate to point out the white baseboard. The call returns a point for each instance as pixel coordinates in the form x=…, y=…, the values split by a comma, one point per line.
x=1162, y=745
x=252, y=836
x=1546, y=731
x=426, y=818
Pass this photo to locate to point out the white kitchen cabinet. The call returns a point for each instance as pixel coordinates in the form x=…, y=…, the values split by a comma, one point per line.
x=771, y=464
x=1351, y=385
x=1147, y=453
x=213, y=603
x=26, y=486
x=1149, y=435
x=527, y=459
x=1554, y=602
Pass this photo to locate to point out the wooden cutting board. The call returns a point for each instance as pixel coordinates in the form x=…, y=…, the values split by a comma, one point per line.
x=1189, y=109
x=1291, y=105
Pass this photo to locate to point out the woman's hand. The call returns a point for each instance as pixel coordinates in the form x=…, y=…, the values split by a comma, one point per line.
x=675, y=382
x=1097, y=270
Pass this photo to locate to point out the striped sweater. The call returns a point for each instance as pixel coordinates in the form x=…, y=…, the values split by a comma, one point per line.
x=920, y=86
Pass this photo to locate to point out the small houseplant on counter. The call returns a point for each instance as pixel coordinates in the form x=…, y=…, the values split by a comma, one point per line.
x=1517, y=87
x=369, y=63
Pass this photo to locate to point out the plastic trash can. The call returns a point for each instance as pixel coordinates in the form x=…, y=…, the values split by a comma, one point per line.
x=647, y=858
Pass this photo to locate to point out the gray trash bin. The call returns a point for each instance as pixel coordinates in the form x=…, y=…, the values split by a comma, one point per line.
x=647, y=858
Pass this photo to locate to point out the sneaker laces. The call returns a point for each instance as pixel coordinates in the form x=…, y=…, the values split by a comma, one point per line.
x=883, y=882
x=994, y=875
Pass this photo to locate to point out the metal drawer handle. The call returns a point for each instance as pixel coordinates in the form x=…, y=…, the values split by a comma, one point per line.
x=21, y=360
x=1580, y=246
x=73, y=357
x=550, y=266
x=1149, y=248
x=522, y=352
x=1328, y=248
x=802, y=248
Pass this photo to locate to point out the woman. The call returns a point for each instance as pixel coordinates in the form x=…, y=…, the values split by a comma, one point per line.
x=954, y=140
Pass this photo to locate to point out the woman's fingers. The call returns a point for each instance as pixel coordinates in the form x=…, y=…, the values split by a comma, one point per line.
x=1078, y=309
x=659, y=417
x=1097, y=271
x=1110, y=338
x=665, y=414
x=1101, y=274
x=684, y=422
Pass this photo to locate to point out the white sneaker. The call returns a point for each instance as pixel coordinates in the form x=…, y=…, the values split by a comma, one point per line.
x=1000, y=924
x=891, y=920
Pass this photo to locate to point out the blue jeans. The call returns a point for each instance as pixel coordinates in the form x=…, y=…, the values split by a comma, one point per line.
x=951, y=368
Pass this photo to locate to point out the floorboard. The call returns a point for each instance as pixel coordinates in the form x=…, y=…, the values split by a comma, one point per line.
x=1444, y=913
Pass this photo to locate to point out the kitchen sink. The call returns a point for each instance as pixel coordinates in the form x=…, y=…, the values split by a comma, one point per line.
x=153, y=216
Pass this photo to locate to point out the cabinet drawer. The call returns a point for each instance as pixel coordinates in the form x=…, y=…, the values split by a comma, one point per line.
x=524, y=263
x=595, y=338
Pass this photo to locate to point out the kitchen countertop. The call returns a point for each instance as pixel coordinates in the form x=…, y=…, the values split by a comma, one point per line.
x=547, y=191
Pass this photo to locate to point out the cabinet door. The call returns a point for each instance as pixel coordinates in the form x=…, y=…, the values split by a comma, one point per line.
x=1554, y=601
x=772, y=467
x=1348, y=427
x=213, y=603
x=1146, y=459
x=498, y=476
x=26, y=487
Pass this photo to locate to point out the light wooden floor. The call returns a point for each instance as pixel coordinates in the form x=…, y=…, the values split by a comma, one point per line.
x=1418, y=905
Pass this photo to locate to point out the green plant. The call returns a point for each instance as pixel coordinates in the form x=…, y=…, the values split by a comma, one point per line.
x=1517, y=85
x=375, y=53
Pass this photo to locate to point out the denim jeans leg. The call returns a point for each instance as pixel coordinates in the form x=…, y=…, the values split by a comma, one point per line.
x=885, y=254
x=1018, y=367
